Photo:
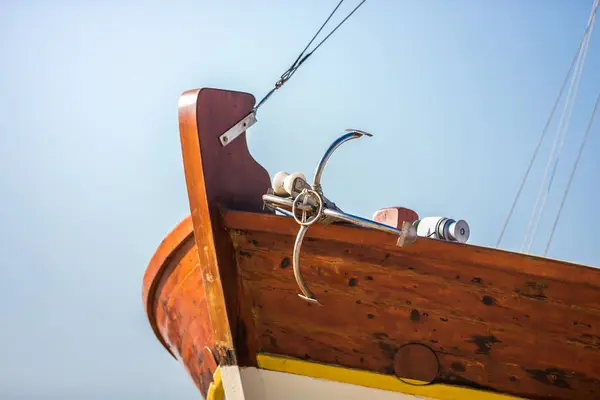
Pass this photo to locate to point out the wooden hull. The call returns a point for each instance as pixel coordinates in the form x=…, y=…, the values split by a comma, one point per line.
x=220, y=296
x=176, y=304
x=495, y=320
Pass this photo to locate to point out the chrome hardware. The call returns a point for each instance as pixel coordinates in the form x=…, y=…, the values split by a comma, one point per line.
x=351, y=134
x=239, y=128
x=307, y=205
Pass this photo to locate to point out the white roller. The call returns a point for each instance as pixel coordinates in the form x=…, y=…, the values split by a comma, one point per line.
x=443, y=228
x=459, y=231
x=288, y=182
x=278, y=183
x=283, y=182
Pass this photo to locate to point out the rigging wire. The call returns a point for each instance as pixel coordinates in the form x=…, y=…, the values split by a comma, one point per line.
x=561, y=134
x=574, y=62
x=566, y=127
x=575, y=165
x=540, y=140
x=302, y=57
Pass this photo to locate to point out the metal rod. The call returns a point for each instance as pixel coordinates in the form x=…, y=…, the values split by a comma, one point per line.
x=282, y=201
x=352, y=134
x=354, y=219
x=363, y=222
x=306, y=293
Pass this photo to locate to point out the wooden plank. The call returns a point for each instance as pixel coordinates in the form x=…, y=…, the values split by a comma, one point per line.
x=156, y=268
x=497, y=320
x=176, y=304
x=194, y=299
x=484, y=257
x=218, y=176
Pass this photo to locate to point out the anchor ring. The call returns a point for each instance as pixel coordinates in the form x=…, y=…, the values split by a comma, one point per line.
x=305, y=195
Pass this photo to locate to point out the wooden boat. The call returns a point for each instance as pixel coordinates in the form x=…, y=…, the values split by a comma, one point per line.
x=435, y=319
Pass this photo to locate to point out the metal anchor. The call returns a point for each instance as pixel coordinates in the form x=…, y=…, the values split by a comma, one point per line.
x=293, y=196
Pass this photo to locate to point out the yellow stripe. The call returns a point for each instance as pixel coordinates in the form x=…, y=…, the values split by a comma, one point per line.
x=215, y=390
x=373, y=380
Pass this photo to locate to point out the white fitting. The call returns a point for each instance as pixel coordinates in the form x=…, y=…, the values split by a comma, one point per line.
x=459, y=231
x=444, y=229
x=278, y=183
x=282, y=182
x=289, y=181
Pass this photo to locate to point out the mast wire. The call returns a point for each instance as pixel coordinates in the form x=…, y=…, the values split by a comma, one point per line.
x=575, y=165
x=539, y=143
x=542, y=136
x=561, y=133
x=302, y=57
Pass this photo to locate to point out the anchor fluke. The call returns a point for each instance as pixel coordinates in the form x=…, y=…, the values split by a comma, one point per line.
x=293, y=196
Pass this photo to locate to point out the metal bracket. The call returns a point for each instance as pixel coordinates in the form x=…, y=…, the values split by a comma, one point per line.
x=238, y=129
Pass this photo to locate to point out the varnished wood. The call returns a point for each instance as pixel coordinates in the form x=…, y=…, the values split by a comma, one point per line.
x=194, y=300
x=218, y=176
x=166, y=251
x=220, y=288
x=497, y=320
x=416, y=361
x=176, y=305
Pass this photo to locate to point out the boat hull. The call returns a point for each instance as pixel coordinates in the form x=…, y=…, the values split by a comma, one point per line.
x=177, y=307
x=278, y=378
x=221, y=296
x=495, y=320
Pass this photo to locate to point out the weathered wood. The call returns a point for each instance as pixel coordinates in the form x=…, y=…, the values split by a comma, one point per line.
x=176, y=305
x=416, y=361
x=497, y=320
x=218, y=176
x=220, y=288
x=194, y=299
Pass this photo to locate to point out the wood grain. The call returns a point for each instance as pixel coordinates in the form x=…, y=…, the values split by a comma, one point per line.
x=218, y=176
x=220, y=287
x=176, y=304
x=193, y=297
x=497, y=320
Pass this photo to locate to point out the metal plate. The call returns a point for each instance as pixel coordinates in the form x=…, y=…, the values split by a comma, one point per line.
x=238, y=129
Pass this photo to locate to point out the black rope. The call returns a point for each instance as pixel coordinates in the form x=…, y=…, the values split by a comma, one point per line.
x=302, y=57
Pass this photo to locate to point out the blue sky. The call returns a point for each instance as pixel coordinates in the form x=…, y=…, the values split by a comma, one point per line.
x=456, y=94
